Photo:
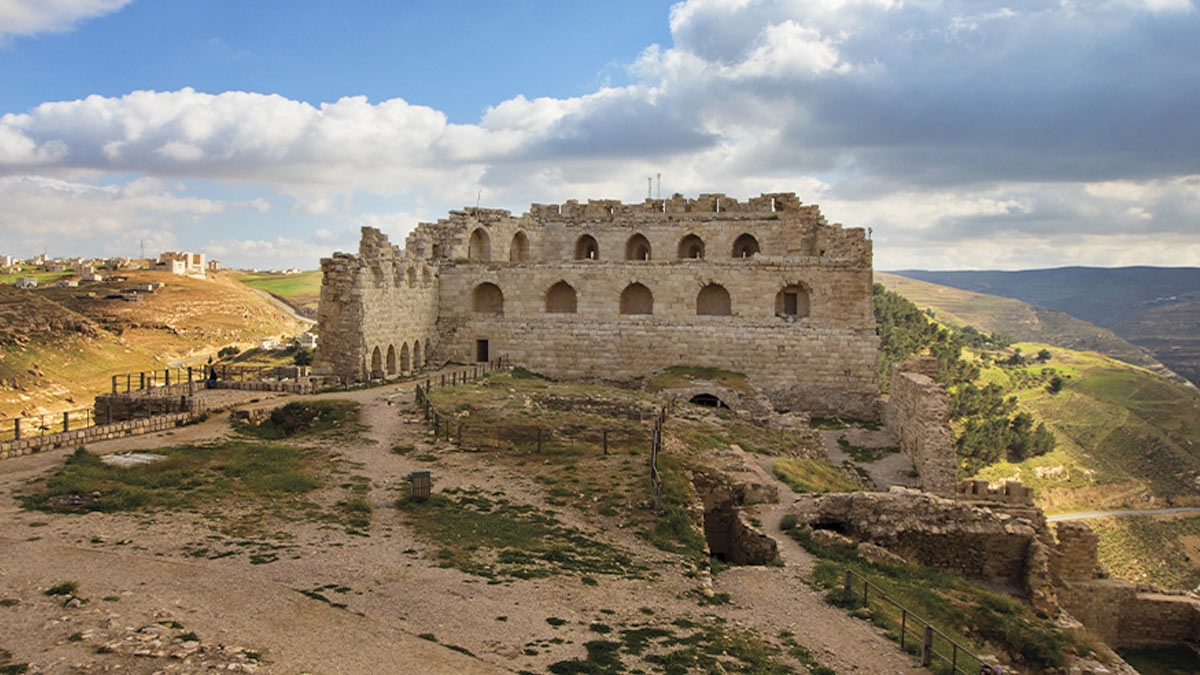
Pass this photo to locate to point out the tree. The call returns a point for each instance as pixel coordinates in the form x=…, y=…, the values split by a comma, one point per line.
x=303, y=357
x=1055, y=385
x=1043, y=356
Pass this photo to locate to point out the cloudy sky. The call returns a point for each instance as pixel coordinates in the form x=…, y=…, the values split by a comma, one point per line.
x=967, y=135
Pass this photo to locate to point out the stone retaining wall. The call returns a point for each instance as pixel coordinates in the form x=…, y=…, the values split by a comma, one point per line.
x=101, y=432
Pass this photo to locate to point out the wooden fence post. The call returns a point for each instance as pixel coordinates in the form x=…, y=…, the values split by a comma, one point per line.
x=66, y=422
x=606, y=441
x=17, y=429
x=847, y=588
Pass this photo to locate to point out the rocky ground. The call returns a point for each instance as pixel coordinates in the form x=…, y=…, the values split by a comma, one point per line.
x=317, y=599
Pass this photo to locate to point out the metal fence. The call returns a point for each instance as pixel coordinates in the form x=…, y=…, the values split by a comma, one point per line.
x=913, y=630
x=49, y=423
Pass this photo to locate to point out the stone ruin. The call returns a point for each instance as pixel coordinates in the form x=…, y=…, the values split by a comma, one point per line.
x=613, y=292
x=996, y=536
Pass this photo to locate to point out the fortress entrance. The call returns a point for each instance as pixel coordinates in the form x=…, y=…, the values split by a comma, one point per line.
x=481, y=351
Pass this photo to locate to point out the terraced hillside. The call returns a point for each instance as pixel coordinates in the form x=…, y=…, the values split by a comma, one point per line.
x=60, y=346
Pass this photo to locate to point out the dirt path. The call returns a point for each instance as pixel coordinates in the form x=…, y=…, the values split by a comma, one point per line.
x=399, y=611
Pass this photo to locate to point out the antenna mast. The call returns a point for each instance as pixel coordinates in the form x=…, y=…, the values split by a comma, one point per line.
x=659, y=176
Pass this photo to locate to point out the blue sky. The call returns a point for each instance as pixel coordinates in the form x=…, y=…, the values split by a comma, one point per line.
x=266, y=133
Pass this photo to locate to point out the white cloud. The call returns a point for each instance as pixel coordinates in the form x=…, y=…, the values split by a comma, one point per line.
x=30, y=17
x=51, y=206
x=938, y=124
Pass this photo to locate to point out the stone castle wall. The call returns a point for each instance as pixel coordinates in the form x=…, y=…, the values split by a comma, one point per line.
x=611, y=291
x=918, y=412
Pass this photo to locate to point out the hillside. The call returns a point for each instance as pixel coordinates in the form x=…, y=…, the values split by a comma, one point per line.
x=1155, y=308
x=302, y=292
x=1022, y=321
x=59, y=347
x=1127, y=438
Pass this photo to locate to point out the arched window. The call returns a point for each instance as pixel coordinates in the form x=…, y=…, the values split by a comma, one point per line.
x=792, y=301
x=391, y=360
x=376, y=363
x=418, y=355
x=560, y=299
x=405, y=363
x=691, y=246
x=637, y=299
x=411, y=276
x=637, y=248
x=713, y=300
x=487, y=299
x=518, y=250
x=479, y=248
x=586, y=248
x=746, y=246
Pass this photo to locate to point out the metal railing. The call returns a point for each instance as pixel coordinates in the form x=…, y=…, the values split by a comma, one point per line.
x=934, y=644
x=49, y=423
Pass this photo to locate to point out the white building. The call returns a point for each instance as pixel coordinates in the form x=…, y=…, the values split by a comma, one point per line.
x=26, y=282
x=182, y=263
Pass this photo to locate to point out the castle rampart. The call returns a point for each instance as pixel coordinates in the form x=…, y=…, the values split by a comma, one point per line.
x=611, y=291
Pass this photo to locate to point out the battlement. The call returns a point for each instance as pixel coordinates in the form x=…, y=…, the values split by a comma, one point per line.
x=763, y=206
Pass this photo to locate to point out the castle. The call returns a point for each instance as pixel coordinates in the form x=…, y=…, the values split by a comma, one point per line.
x=606, y=291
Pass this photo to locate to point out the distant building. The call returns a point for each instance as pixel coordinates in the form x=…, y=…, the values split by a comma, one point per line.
x=26, y=282
x=66, y=283
x=308, y=340
x=269, y=345
x=214, y=265
x=182, y=263
x=120, y=262
x=6, y=261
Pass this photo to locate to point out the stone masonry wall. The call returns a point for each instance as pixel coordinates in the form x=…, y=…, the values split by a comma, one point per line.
x=765, y=287
x=1122, y=614
x=918, y=412
x=102, y=432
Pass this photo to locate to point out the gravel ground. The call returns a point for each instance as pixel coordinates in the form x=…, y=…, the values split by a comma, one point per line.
x=146, y=603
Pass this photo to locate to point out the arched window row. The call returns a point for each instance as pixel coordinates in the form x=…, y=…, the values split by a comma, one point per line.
x=791, y=302
x=691, y=247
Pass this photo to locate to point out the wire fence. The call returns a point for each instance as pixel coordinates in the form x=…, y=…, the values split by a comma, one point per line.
x=522, y=437
x=914, y=632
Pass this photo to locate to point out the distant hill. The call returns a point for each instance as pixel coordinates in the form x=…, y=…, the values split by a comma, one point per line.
x=1022, y=321
x=60, y=346
x=1156, y=308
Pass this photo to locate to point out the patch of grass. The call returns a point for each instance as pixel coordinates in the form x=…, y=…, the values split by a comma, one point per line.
x=305, y=418
x=189, y=477
x=809, y=475
x=677, y=377
x=62, y=588
x=488, y=536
